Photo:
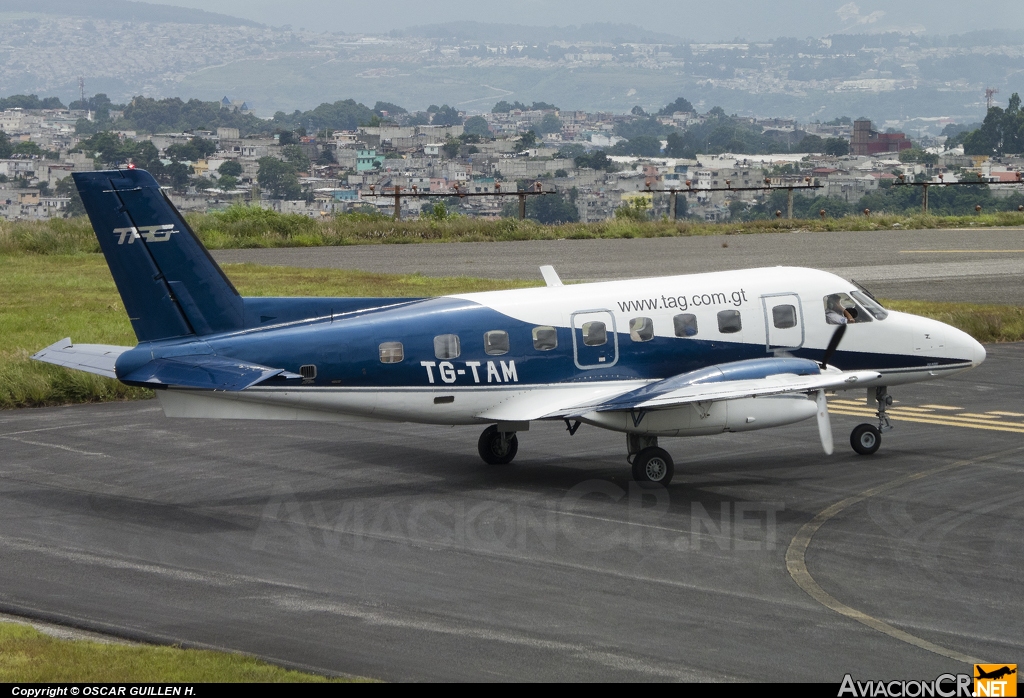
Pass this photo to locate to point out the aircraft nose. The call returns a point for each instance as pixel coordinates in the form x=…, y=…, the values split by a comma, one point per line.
x=976, y=352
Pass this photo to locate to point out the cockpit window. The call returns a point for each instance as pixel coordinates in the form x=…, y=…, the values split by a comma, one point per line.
x=841, y=310
x=871, y=305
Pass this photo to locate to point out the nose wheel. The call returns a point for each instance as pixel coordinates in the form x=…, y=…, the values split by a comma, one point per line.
x=866, y=438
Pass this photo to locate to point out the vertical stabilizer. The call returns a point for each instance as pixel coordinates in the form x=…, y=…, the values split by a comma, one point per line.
x=170, y=285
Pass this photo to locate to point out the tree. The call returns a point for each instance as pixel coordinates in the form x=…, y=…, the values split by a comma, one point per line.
x=451, y=147
x=380, y=107
x=571, y=151
x=637, y=210
x=551, y=208
x=278, y=178
x=477, y=126
x=195, y=149
x=597, y=160
x=446, y=116
x=837, y=147
x=6, y=149
x=550, y=124
x=680, y=105
x=66, y=187
x=1001, y=132
x=227, y=182
x=179, y=174
x=641, y=146
x=231, y=168
x=527, y=140
x=295, y=155
x=811, y=144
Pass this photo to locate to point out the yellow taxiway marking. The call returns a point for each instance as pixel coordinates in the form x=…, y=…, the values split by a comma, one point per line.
x=1014, y=427
x=977, y=415
x=955, y=251
x=1007, y=414
x=941, y=407
x=796, y=558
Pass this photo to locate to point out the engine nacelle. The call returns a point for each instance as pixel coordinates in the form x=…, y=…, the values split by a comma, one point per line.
x=699, y=419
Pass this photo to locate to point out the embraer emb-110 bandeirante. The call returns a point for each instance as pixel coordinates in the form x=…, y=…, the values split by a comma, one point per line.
x=674, y=356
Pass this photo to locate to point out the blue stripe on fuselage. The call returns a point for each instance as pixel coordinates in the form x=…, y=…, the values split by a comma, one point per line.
x=345, y=351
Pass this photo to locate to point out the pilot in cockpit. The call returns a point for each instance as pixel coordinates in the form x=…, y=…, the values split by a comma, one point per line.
x=835, y=313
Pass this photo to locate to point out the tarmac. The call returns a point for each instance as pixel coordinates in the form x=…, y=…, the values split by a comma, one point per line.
x=981, y=265
x=391, y=551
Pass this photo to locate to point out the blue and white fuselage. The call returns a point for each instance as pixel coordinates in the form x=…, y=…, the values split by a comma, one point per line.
x=671, y=356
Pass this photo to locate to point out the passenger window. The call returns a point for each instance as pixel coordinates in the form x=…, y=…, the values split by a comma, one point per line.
x=446, y=346
x=729, y=321
x=545, y=338
x=784, y=316
x=685, y=324
x=594, y=334
x=391, y=352
x=496, y=342
x=641, y=329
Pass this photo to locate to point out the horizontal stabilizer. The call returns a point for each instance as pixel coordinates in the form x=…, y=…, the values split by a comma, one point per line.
x=92, y=358
x=204, y=372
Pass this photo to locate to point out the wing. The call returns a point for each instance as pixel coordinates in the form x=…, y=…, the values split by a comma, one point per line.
x=92, y=358
x=732, y=381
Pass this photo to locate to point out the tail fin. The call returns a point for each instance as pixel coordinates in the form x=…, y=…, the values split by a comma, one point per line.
x=170, y=285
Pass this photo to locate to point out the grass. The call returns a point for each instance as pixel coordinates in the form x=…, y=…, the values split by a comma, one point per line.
x=986, y=323
x=29, y=656
x=45, y=297
x=249, y=227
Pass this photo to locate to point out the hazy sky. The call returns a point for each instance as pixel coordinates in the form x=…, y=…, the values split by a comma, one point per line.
x=698, y=20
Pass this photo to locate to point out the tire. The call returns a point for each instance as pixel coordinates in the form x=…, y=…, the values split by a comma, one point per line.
x=491, y=448
x=653, y=465
x=865, y=439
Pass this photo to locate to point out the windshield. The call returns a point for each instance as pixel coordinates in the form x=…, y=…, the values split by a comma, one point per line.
x=870, y=305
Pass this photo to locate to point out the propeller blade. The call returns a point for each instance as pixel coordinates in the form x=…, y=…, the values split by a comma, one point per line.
x=833, y=344
x=824, y=423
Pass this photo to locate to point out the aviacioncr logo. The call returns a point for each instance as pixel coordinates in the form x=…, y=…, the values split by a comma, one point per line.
x=149, y=233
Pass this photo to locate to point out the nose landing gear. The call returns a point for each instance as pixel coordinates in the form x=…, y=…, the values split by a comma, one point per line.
x=866, y=438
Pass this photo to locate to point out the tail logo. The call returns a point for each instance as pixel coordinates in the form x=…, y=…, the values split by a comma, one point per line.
x=149, y=233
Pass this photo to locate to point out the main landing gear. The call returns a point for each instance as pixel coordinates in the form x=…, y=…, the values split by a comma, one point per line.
x=497, y=447
x=651, y=464
x=866, y=438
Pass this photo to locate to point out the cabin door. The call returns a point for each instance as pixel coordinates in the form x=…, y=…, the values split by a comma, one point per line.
x=783, y=322
x=595, y=343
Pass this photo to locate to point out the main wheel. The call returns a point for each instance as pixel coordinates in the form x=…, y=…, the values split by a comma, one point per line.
x=653, y=464
x=497, y=450
x=865, y=439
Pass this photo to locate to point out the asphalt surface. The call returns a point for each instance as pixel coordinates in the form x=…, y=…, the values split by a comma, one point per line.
x=981, y=265
x=391, y=551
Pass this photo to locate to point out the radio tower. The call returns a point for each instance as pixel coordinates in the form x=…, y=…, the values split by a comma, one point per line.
x=989, y=92
x=81, y=89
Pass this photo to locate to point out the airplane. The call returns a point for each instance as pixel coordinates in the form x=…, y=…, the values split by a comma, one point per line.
x=994, y=674
x=687, y=355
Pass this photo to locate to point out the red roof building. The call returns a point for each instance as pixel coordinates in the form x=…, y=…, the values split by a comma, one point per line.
x=865, y=141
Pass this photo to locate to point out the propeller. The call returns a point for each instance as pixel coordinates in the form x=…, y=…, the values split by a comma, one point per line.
x=824, y=423
x=833, y=344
